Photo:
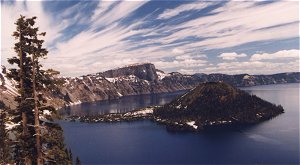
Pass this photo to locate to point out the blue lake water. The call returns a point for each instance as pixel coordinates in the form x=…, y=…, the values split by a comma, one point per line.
x=145, y=142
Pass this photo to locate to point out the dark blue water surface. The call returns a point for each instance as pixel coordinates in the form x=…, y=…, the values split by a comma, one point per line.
x=144, y=142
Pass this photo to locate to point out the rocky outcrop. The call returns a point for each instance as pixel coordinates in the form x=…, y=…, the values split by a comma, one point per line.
x=135, y=80
x=145, y=71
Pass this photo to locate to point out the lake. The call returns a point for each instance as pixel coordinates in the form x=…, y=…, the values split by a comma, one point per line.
x=145, y=142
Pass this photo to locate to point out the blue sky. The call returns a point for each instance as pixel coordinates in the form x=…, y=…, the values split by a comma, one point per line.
x=187, y=36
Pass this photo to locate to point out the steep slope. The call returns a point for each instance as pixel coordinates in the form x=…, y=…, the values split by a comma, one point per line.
x=215, y=103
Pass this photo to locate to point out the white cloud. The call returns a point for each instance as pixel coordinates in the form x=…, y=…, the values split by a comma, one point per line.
x=237, y=23
x=231, y=56
x=92, y=51
x=169, y=13
x=177, y=51
x=283, y=54
x=181, y=61
x=121, y=9
x=257, y=65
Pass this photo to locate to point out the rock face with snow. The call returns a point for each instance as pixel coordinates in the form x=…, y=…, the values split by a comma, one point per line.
x=131, y=80
x=135, y=80
x=215, y=104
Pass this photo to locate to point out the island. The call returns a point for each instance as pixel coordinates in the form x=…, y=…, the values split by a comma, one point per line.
x=210, y=104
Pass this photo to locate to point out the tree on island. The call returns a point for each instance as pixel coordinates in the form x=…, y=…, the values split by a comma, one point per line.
x=38, y=139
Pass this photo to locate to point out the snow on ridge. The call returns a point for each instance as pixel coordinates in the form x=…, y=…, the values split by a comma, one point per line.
x=162, y=75
x=132, y=78
x=246, y=77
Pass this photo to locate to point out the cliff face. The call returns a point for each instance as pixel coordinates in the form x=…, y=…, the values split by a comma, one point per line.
x=145, y=71
x=130, y=80
x=135, y=80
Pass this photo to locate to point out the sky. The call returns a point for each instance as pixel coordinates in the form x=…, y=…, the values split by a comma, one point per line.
x=231, y=37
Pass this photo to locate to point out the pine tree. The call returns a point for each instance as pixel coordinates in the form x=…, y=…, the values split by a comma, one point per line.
x=38, y=140
x=22, y=75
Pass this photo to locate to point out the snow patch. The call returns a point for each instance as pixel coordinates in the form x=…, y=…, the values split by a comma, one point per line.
x=119, y=94
x=192, y=124
x=178, y=106
x=147, y=82
x=112, y=80
x=11, y=125
x=141, y=112
x=46, y=112
x=76, y=102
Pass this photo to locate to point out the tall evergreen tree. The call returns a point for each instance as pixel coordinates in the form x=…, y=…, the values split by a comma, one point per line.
x=38, y=139
x=22, y=75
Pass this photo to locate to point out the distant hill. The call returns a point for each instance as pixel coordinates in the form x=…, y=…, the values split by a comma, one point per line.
x=244, y=80
x=213, y=104
x=136, y=79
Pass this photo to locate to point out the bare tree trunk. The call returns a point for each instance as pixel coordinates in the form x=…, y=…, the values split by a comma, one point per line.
x=36, y=113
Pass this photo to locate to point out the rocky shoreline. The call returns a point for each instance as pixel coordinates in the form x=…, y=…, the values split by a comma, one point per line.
x=139, y=114
x=146, y=114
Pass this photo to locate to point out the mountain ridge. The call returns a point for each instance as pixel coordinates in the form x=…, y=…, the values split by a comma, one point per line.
x=135, y=80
